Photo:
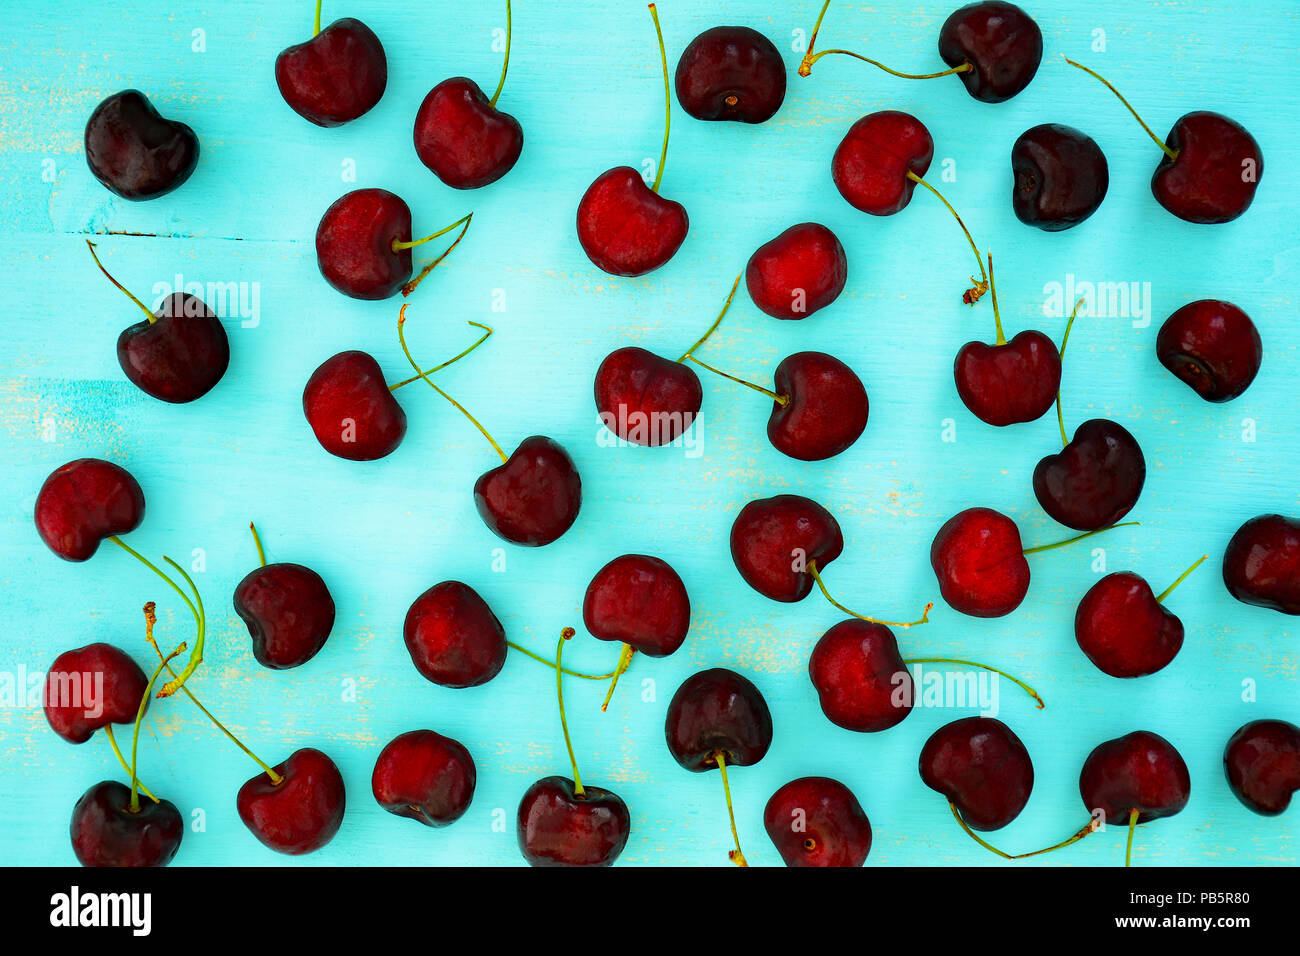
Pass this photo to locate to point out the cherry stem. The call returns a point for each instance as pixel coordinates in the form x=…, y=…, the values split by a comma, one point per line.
x=112, y=742
x=1132, y=825
x=624, y=659
x=399, y=244
x=316, y=28
x=949, y=660
x=125, y=291
x=565, y=635
x=505, y=65
x=549, y=663
x=980, y=286
x=401, y=337
x=1060, y=419
x=200, y=618
x=438, y=368
x=1017, y=856
x=139, y=719
x=716, y=322
x=1171, y=153
x=805, y=67
x=997, y=316
x=261, y=555
x=925, y=614
x=1181, y=578
x=668, y=101
x=1079, y=537
x=975, y=836
x=779, y=399
x=410, y=286
x=735, y=855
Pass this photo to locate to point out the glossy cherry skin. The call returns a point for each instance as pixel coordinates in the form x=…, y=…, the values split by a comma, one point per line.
x=91, y=687
x=771, y=535
x=1212, y=346
x=625, y=228
x=1095, y=480
x=638, y=600
x=982, y=768
x=424, y=776
x=354, y=244
x=85, y=501
x=350, y=409
x=731, y=73
x=178, y=357
x=1010, y=383
x=1218, y=168
x=862, y=683
x=818, y=822
x=1140, y=771
x=135, y=152
x=825, y=411
x=453, y=637
x=1060, y=177
x=645, y=398
x=1124, y=630
x=717, y=711
x=289, y=613
x=1000, y=40
x=465, y=140
x=556, y=827
x=106, y=833
x=303, y=812
x=980, y=563
x=798, y=273
x=1262, y=761
x=532, y=498
x=871, y=163
x=1261, y=565
x=336, y=76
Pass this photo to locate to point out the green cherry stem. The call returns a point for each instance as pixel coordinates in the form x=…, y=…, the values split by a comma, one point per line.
x=1181, y=578
x=125, y=291
x=1075, y=838
x=112, y=742
x=978, y=286
x=257, y=540
x=997, y=316
x=1171, y=153
x=565, y=635
x=1065, y=339
x=1132, y=825
x=779, y=399
x=438, y=368
x=1079, y=537
x=925, y=614
x=735, y=855
x=550, y=663
x=200, y=619
x=400, y=244
x=805, y=67
x=410, y=286
x=505, y=64
x=975, y=836
x=316, y=29
x=716, y=322
x=139, y=719
x=949, y=660
x=624, y=660
x=668, y=101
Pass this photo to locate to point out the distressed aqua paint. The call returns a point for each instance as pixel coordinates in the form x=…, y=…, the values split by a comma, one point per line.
x=585, y=84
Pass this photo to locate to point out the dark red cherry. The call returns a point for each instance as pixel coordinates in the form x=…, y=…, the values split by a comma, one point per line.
x=1262, y=563
x=179, y=356
x=91, y=687
x=862, y=683
x=1095, y=480
x=1060, y=177
x=825, y=409
x=556, y=827
x=798, y=273
x=1124, y=629
x=871, y=163
x=289, y=613
x=463, y=138
x=982, y=768
x=351, y=410
x=134, y=151
x=1212, y=346
x=773, y=539
x=354, y=244
x=336, y=76
x=1262, y=761
x=453, y=637
x=1140, y=771
x=980, y=563
x=1218, y=168
x=534, y=496
x=817, y=821
x=645, y=398
x=105, y=832
x=717, y=711
x=424, y=776
x=638, y=600
x=303, y=811
x=85, y=501
x=1001, y=42
x=626, y=229
x=731, y=73
x=1014, y=382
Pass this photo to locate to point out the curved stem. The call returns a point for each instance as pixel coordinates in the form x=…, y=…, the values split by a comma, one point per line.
x=779, y=399
x=668, y=102
x=200, y=619
x=980, y=286
x=735, y=855
x=1065, y=339
x=316, y=28
x=1088, y=828
x=149, y=564
x=1079, y=537
x=624, y=659
x=125, y=291
x=565, y=635
x=401, y=337
x=1171, y=153
x=399, y=244
x=506, y=63
x=1132, y=825
x=949, y=660
x=139, y=719
x=997, y=316
x=809, y=58
x=549, y=663
x=410, y=286
x=438, y=368
x=261, y=555
x=112, y=742
x=716, y=322
x=925, y=614
x=975, y=836
x=1181, y=578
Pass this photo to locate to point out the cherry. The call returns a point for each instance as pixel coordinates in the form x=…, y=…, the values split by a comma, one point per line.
x=107, y=832
x=1261, y=565
x=288, y=610
x=624, y=226
x=351, y=410
x=1060, y=177
x=453, y=637
x=1135, y=779
x=1125, y=629
x=92, y=687
x=560, y=821
x=533, y=496
x=718, y=719
x=301, y=810
x=1212, y=346
x=800, y=272
x=771, y=535
x=424, y=776
x=85, y=501
x=136, y=153
x=817, y=821
x=1210, y=168
x=994, y=47
x=363, y=244
x=1262, y=761
x=983, y=770
x=336, y=76
x=731, y=73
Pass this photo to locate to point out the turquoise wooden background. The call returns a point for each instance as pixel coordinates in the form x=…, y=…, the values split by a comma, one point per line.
x=585, y=84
